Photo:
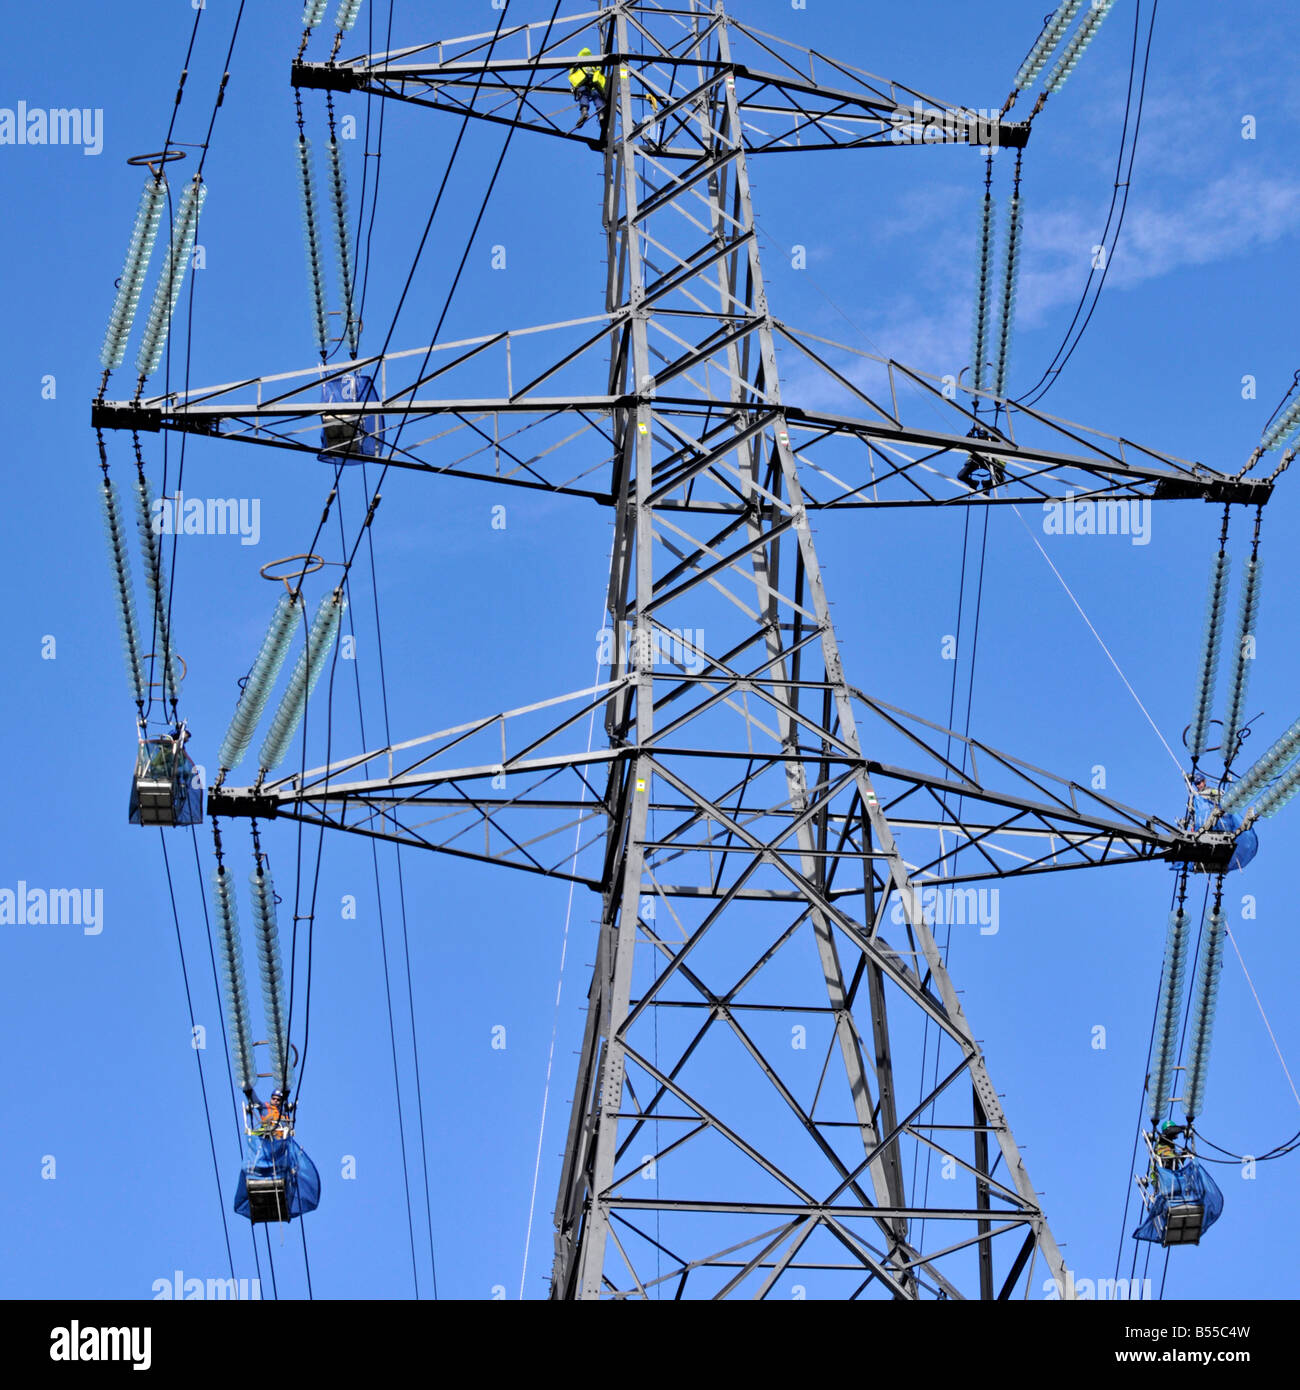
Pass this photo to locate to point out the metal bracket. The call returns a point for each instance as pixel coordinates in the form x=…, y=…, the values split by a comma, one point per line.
x=118, y=416
x=1211, y=850
x=325, y=76
x=1252, y=492
x=241, y=802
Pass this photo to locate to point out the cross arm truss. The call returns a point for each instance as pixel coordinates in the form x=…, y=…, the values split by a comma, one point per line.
x=790, y=98
x=516, y=408
x=514, y=789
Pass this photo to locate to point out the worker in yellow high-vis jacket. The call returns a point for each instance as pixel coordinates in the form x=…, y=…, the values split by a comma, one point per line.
x=588, y=83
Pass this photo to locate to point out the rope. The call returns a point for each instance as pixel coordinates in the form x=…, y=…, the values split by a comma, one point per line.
x=947, y=942
x=236, y=1108
x=1119, y=670
x=401, y=898
x=203, y=1085
x=559, y=989
x=393, y=442
x=1259, y=1004
x=275, y=1291
x=1177, y=899
x=306, y=1263
x=393, y=435
x=952, y=714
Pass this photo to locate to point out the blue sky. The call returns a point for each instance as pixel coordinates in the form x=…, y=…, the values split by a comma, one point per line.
x=102, y=1077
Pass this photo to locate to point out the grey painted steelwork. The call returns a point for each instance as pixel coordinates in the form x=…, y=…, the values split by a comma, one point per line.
x=605, y=1245
x=538, y=439
x=774, y=1051
x=960, y=810
x=807, y=100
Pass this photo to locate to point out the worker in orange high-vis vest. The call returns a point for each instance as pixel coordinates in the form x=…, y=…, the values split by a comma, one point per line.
x=273, y=1117
x=588, y=83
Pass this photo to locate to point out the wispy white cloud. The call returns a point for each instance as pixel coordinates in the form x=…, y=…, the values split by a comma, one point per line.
x=1164, y=232
x=1234, y=214
x=1201, y=196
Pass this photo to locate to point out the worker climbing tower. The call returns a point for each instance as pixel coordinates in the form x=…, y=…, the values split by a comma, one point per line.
x=761, y=832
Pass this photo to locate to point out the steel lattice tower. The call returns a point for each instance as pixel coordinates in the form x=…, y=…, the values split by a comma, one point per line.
x=759, y=830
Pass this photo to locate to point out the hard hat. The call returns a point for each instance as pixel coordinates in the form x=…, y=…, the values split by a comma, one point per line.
x=584, y=53
x=1167, y=1125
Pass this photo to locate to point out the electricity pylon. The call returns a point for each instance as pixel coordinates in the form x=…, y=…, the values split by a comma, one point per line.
x=778, y=1083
